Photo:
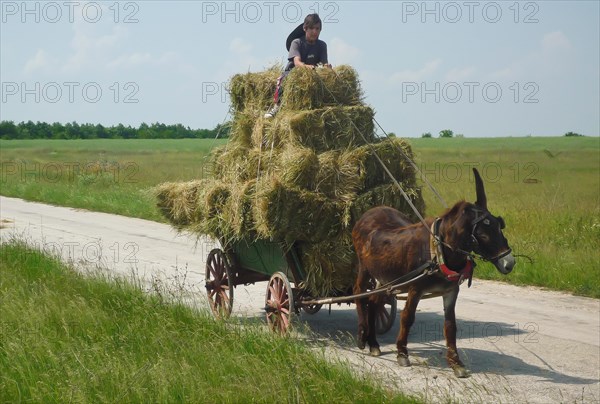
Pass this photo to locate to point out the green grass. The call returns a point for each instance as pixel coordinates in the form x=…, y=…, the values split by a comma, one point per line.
x=547, y=189
x=104, y=175
x=73, y=338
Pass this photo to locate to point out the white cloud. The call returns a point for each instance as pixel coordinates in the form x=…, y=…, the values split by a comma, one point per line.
x=340, y=52
x=463, y=74
x=132, y=60
x=90, y=49
x=240, y=46
x=549, y=58
x=416, y=75
x=505, y=73
x=40, y=61
x=555, y=41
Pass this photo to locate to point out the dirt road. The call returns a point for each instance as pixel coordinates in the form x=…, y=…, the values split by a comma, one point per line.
x=521, y=344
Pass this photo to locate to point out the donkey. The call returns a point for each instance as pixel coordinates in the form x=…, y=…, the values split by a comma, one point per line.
x=390, y=246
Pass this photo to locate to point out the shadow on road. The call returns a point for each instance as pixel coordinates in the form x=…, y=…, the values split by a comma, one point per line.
x=427, y=344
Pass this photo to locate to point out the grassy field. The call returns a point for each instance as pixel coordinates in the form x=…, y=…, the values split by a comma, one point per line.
x=547, y=189
x=73, y=338
x=102, y=175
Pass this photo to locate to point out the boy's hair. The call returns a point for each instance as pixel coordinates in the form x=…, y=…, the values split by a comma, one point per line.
x=312, y=20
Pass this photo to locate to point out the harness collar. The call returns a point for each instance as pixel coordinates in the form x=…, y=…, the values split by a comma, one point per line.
x=437, y=256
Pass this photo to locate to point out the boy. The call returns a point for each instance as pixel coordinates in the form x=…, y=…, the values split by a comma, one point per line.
x=305, y=51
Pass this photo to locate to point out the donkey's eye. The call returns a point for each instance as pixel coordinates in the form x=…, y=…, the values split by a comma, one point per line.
x=486, y=222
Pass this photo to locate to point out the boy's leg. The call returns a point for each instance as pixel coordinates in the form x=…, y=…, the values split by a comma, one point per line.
x=279, y=87
x=277, y=96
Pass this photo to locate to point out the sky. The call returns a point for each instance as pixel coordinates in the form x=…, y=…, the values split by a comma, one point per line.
x=478, y=68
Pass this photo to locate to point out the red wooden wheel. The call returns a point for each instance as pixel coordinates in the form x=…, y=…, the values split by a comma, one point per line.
x=279, y=303
x=219, y=285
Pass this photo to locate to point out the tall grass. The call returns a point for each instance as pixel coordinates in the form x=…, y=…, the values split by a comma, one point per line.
x=104, y=175
x=70, y=338
x=547, y=189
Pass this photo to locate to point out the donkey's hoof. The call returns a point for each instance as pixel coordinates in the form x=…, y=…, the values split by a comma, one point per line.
x=361, y=344
x=403, y=360
x=460, y=371
x=375, y=351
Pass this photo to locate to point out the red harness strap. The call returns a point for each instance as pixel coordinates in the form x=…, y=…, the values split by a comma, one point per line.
x=463, y=274
x=437, y=255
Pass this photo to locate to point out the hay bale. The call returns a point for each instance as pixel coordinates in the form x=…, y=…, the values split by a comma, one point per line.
x=182, y=203
x=298, y=167
x=309, y=89
x=238, y=210
x=290, y=214
x=234, y=164
x=215, y=222
x=343, y=174
x=243, y=126
x=329, y=266
x=253, y=90
x=321, y=129
x=338, y=177
x=370, y=172
x=388, y=195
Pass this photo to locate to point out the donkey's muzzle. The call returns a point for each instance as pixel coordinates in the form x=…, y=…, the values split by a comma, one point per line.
x=505, y=263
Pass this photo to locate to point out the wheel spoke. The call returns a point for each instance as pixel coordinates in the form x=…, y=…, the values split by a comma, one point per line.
x=384, y=316
x=285, y=322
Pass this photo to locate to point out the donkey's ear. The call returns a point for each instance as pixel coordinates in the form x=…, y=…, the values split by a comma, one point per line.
x=481, y=198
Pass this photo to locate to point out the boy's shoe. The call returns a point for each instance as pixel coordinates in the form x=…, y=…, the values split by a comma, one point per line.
x=273, y=111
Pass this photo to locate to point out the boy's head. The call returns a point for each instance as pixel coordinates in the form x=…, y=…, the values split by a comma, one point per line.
x=312, y=20
x=312, y=27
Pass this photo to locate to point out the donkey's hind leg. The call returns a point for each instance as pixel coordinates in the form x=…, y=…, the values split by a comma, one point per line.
x=375, y=305
x=407, y=318
x=362, y=282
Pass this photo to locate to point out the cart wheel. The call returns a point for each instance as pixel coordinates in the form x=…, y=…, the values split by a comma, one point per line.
x=312, y=308
x=279, y=303
x=218, y=285
x=387, y=315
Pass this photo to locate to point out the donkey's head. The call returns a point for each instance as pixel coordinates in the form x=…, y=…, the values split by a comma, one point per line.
x=486, y=232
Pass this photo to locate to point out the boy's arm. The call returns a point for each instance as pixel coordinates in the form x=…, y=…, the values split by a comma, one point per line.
x=299, y=63
x=324, y=58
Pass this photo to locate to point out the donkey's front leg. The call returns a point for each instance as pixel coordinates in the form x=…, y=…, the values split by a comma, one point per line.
x=450, y=333
x=407, y=318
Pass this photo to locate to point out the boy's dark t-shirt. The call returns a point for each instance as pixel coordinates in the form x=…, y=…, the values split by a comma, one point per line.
x=311, y=54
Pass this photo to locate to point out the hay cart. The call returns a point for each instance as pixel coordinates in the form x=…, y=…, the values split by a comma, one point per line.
x=243, y=263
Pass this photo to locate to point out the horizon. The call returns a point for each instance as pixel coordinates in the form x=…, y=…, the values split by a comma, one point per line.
x=481, y=69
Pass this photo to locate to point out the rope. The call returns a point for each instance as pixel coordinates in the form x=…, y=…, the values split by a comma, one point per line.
x=408, y=159
x=379, y=160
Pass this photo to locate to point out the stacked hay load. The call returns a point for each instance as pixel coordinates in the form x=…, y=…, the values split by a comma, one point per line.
x=302, y=178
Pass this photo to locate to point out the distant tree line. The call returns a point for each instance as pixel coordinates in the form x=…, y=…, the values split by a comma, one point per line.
x=73, y=130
